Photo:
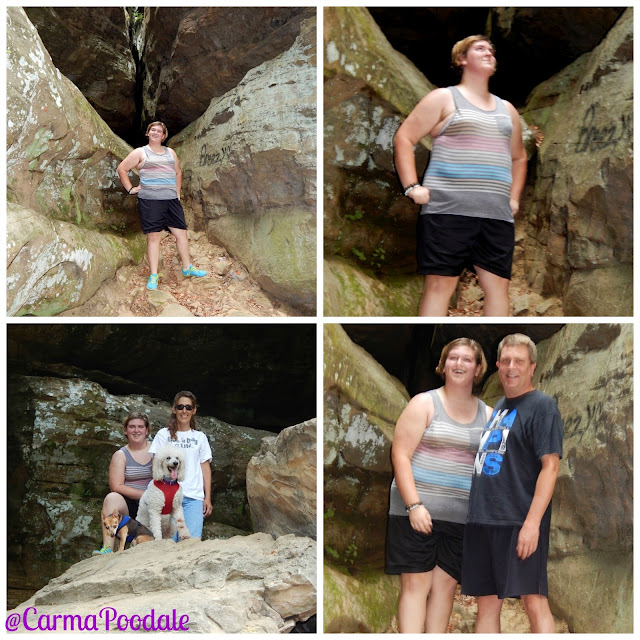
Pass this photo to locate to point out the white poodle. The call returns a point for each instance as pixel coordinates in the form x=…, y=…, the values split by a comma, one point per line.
x=160, y=507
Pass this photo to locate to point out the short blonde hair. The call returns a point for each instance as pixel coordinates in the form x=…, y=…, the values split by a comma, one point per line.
x=464, y=342
x=461, y=47
x=165, y=131
x=515, y=339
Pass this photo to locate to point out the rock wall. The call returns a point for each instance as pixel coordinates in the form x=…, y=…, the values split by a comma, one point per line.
x=252, y=584
x=53, y=265
x=361, y=405
x=249, y=167
x=590, y=565
x=577, y=222
x=61, y=156
x=281, y=483
x=61, y=161
x=591, y=549
x=92, y=48
x=61, y=436
x=369, y=88
x=192, y=55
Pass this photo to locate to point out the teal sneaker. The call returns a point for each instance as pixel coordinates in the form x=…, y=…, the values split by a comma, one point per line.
x=192, y=271
x=153, y=281
x=102, y=551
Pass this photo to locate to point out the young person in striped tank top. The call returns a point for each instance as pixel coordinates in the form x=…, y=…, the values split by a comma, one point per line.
x=434, y=447
x=129, y=473
x=159, y=199
x=471, y=188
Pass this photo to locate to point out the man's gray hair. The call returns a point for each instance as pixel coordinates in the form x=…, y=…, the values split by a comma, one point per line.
x=516, y=339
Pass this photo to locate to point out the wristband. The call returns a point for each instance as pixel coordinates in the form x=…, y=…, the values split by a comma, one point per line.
x=415, y=505
x=411, y=186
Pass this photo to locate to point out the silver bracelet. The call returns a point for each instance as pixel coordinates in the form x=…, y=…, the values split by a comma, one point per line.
x=415, y=505
x=411, y=186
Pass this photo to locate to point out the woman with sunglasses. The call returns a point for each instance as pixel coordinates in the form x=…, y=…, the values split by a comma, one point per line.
x=129, y=474
x=196, y=487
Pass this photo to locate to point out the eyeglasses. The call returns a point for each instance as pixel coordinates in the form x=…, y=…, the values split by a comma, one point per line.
x=188, y=407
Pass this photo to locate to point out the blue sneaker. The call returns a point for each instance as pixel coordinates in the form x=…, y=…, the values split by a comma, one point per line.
x=192, y=271
x=153, y=281
x=102, y=551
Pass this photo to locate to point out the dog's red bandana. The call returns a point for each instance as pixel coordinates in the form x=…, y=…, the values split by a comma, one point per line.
x=169, y=491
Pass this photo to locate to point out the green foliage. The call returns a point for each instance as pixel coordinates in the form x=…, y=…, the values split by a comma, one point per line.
x=351, y=553
x=358, y=254
x=331, y=553
x=357, y=215
x=329, y=513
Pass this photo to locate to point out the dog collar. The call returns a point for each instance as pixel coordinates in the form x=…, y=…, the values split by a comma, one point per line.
x=166, y=480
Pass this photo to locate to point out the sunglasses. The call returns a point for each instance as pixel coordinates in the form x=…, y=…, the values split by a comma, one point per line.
x=188, y=407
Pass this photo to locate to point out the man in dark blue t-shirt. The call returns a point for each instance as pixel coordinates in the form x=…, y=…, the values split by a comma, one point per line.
x=506, y=539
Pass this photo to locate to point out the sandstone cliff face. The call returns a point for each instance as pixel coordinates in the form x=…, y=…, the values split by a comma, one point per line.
x=92, y=48
x=589, y=371
x=369, y=89
x=361, y=404
x=249, y=171
x=592, y=521
x=578, y=222
x=193, y=55
x=61, y=161
x=61, y=156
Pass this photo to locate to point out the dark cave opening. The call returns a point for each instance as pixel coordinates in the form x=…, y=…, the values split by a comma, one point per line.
x=532, y=44
x=261, y=376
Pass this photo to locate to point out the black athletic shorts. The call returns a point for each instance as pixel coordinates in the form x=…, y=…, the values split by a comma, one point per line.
x=159, y=215
x=449, y=243
x=490, y=564
x=410, y=551
x=132, y=504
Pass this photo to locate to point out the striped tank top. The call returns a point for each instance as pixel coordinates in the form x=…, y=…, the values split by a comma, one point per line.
x=469, y=172
x=136, y=475
x=442, y=465
x=158, y=176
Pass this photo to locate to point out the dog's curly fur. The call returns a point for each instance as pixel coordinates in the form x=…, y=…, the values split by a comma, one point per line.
x=152, y=501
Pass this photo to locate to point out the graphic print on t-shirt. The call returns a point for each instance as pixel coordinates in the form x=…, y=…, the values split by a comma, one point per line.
x=493, y=443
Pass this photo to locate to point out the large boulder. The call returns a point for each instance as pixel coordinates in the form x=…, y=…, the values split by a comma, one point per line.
x=61, y=156
x=61, y=436
x=281, y=483
x=361, y=405
x=591, y=550
x=369, y=88
x=252, y=584
x=192, y=55
x=249, y=168
x=577, y=224
x=92, y=47
x=53, y=266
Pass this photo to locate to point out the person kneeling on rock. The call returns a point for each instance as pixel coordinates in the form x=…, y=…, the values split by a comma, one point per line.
x=158, y=198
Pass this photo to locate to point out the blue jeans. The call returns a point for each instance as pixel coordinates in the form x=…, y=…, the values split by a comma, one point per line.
x=193, y=517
